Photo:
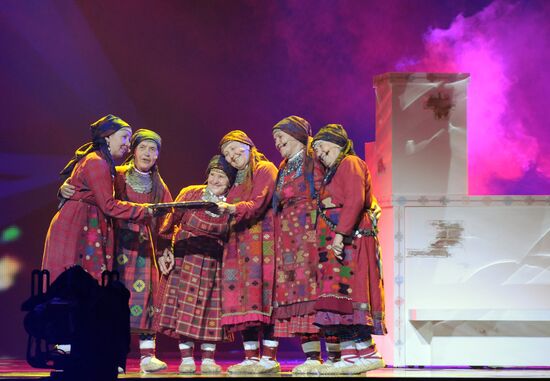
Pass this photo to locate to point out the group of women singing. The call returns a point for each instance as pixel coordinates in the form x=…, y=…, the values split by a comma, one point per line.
x=291, y=252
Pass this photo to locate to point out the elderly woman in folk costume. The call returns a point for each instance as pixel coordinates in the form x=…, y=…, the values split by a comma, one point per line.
x=138, y=180
x=350, y=303
x=81, y=232
x=294, y=204
x=191, y=242
x=248, y=259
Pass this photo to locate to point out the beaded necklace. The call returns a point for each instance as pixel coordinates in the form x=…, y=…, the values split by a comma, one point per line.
x=209, y=196
x=141, y=182
x=241, y=175
x=294, y=166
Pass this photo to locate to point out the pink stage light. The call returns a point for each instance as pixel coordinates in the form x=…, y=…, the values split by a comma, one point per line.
x=503, y=47
x=10, y=266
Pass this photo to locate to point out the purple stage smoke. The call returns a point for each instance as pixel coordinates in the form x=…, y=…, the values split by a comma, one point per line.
x=504, y=48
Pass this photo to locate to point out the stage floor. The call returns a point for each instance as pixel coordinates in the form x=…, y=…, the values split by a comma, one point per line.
x=11, y=369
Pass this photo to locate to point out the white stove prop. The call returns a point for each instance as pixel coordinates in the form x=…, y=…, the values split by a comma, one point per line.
x=467, y=278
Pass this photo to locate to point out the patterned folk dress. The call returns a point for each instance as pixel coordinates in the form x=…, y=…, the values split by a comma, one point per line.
x=81, y=232
x=248, y=258
x=190, y=296
x=351, y=292
x=134, y=247
x=296, y=284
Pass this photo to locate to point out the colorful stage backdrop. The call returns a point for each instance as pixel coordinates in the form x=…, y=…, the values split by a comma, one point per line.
x=193, y=70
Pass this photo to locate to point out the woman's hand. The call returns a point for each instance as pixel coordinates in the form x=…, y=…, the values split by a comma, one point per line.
x=338, y=246
x=149, y=210
x=67, y=190
x=376, y=209
x=166, y=262
x=156, y=212
x=224, y=207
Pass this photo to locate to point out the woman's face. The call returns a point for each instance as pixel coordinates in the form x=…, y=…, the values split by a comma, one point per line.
x=327, y=152
x=217, y=182
x=119, y=142
x=287, y=145
x=237, y=154
x=146, y=155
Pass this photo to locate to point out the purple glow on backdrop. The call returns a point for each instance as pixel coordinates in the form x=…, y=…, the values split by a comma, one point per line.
x=504, y=48
x=194, y=70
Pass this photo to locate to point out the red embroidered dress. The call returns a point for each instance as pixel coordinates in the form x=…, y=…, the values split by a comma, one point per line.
x=295, y=250
x=81, y=231
x=248, y=258
x=134, y=249
x=190, y=296
x=350, y=292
